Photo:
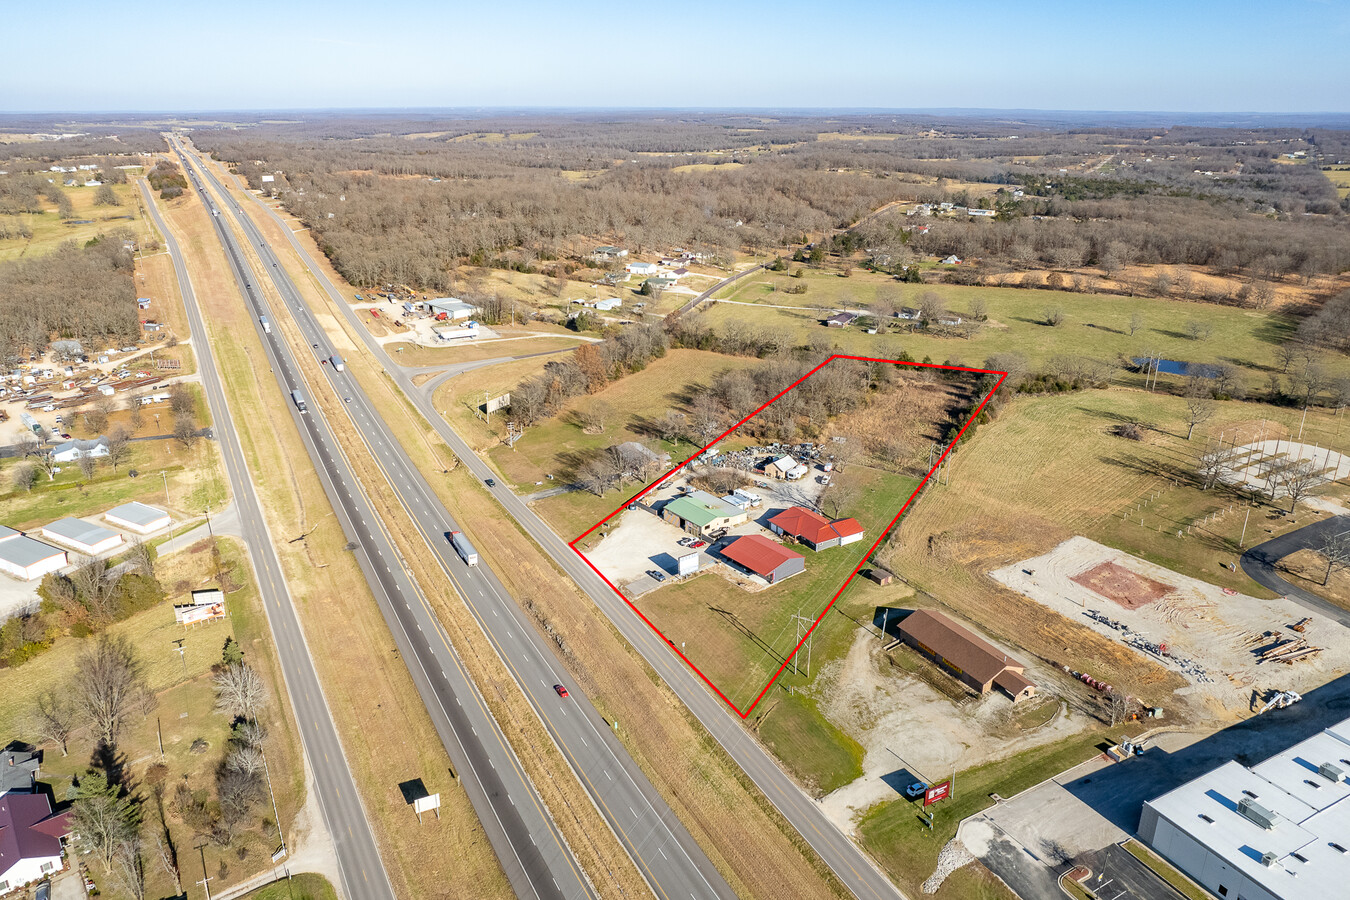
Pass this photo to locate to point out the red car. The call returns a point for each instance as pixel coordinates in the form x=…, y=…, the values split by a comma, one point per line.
x=696, y=544
x=562, y=691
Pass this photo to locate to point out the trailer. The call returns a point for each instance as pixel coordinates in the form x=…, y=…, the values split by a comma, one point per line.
x=299, y=400
x=464, y=548
x=336, y=361
x=267, y=326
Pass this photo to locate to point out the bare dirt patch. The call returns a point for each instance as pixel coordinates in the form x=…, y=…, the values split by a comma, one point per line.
x=1121, y=586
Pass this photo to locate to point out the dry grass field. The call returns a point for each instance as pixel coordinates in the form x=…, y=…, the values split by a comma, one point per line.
x=49, y=230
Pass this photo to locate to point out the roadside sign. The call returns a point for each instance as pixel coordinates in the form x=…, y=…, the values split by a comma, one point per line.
x=937, y=792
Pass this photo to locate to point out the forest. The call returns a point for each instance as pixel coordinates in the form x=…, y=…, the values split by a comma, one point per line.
x=412, y=200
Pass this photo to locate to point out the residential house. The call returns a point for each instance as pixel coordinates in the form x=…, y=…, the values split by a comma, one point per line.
x=641, y=268
x=988, y=213
x=608, y=303
x=780, y=467
x=70, y=451
x=30, y=838
x=841, y=320
x=769, y=560
x=909, y=312
x=814, y=530
x=608, y=253
x=659, y=283
x=949, y=320
x=952, y=260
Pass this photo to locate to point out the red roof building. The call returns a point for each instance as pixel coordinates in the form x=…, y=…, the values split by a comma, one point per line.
x=814, y=530
x=772, y=562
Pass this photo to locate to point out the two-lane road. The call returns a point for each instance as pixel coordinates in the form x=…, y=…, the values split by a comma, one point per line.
x=853, y=867
x=672, y=863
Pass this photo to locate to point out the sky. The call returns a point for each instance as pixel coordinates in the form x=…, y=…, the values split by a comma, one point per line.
x=1286, y=57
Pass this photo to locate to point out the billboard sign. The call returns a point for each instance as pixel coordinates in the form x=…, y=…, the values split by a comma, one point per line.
x=937, y=792
x=687, y=564
x=190, y=615
x=499, y=402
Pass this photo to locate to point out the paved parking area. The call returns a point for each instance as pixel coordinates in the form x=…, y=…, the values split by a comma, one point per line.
x=1118, y=875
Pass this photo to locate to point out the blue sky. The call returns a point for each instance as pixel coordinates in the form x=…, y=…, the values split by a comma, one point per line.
x=1290, y=56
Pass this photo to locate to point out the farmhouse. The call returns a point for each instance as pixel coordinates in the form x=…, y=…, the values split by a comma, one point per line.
x=30, y=838
x=814, y=530
x=699, y=512
x=81, y=535
x=840, y=320
x=970, y=659
x=138, y=517
x=908, y=312
x=26, y=558
x=608, y=304
x=1275, y=831
x=659, y=283
x=641, y=268
x=761, y=556
x=73, y=450
x=608, y=253
x=952, y=261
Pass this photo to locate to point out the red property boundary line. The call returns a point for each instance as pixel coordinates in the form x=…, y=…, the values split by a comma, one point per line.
x=885, y=531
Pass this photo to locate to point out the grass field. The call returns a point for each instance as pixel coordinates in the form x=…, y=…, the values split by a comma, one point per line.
x=1340, y=177
x=49, y=230
x=305, y=886
x=899, y=839
x=414, y=355
x=1094, y=325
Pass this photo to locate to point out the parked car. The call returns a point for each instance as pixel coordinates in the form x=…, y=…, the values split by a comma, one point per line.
x=562, y=691
x=915, y=790
x=686, y=541
x=658, y=577
x=697, y=544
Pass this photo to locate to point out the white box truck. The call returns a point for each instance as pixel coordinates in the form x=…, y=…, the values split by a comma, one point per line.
x=464, y=548
x=336, y=361
x=267, y=326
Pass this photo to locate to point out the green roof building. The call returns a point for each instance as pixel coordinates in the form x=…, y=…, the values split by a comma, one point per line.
x=699, y=512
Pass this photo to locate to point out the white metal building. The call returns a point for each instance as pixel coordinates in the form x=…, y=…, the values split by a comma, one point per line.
x=1277, y=831
x=454, y=309
x=23, y=557
x=80, y=535
x=138, y=517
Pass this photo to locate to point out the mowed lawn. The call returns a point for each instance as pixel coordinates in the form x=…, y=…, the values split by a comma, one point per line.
x=1095, y=325
x=739, y=638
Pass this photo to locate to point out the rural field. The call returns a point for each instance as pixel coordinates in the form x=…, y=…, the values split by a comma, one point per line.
x=88, y=221
x=1094, y=325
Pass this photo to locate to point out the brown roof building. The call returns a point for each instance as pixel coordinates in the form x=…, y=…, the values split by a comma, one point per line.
x=970, y=659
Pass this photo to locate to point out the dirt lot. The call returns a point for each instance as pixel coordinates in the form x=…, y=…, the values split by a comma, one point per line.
x=913, y=732
x=1214, y=636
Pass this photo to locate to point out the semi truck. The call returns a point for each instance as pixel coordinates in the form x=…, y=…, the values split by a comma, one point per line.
x=267, y=326
x=464, y=548
x=299, y=399
x=338, y=365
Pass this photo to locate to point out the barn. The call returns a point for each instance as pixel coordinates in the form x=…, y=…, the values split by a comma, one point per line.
x=25, y=558
x=970, y=659
x=771, y=561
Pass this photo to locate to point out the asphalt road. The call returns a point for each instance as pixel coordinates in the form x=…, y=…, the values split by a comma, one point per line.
x=363, y=873
x=528, y=844
x=665, y=853
x=853, y=867
x=1259, y=564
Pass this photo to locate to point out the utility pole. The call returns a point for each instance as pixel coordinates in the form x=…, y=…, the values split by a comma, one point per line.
x=181, y=653
x=1242, y=541
x=201, y=848
x=803, y=622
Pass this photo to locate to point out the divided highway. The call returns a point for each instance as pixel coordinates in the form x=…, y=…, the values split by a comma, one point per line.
x=528, y=844
x=673, y=864
x=853, y=867
x=358, y=858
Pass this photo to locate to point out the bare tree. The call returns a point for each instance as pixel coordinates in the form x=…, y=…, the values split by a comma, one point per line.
x=1198, y=330
x=96, y=583
x=837, y=497
x=54, y=718
x=1335, y=549
x=1299, y=479
x=705, y=419
x=240, y=691
x=670, y=426
x=140, y=559
x=88, y=464
x=184, y=430
x=24, y=475
x=108, y=683
x=1054, y=316
x=1213, y=465
x=1136, y=322
x=1199, y=409
x=1286, y=354
x=136, y=412
x=1310, y=381
x=931, y=305
x=593, y=417
x=118, y=446
x=128, y=866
